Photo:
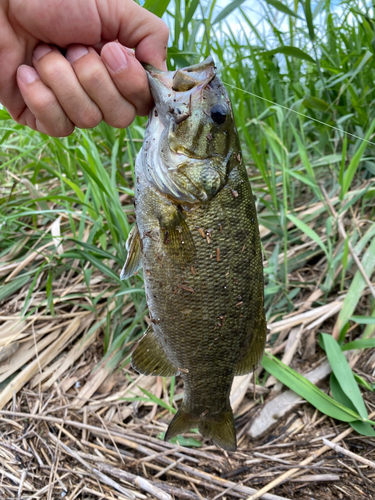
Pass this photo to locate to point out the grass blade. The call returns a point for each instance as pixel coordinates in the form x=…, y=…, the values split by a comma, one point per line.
x=363, y=320
x=309, y=18
x=290, y=51
x=282, y=8
x=307, y=390
x=363, y=428
x=356, y=288
x=343, y=373
x=353, y=165
x=227, y=10
x=359, y=344
x=157, y=7
x=308, y=231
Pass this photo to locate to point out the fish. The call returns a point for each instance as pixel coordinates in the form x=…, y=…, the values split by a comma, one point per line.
x=197, y=238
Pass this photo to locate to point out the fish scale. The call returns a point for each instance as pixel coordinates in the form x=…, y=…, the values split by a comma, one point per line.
x=197, y=238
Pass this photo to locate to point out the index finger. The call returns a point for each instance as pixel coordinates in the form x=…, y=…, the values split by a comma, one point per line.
x=142, y=30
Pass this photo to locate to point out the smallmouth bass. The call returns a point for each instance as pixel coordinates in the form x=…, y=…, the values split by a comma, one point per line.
x=197, y=238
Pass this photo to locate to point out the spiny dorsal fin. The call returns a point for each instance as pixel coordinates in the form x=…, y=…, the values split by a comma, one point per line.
x=133, y=260
x=149, y=357
x=255, y=349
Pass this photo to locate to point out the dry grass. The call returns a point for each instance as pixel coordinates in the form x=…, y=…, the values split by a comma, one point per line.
x=75, y=420
x=50, y=449
x=67, y=429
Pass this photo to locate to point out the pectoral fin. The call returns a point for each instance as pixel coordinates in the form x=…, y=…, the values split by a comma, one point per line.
x=149, y=357
x=133, y=260
x=176, y=236
x=255, y=350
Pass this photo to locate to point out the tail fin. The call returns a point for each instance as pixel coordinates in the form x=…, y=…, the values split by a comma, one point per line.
x=218, y=427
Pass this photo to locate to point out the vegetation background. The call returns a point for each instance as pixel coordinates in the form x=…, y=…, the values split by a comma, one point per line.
x=301, y=78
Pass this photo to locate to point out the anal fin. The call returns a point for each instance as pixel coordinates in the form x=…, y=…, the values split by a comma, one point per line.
x=255, y=349
x=133, y=260
x=149, y=357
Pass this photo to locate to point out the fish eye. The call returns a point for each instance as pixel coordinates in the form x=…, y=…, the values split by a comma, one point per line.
x=218, y=113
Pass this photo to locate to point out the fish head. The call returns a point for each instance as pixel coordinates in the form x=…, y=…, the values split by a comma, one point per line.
x=193, y=121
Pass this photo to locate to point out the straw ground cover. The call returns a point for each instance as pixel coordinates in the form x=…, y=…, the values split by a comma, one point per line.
x=76, y=421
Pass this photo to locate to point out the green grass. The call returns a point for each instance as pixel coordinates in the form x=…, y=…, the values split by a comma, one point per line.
x=303, y=99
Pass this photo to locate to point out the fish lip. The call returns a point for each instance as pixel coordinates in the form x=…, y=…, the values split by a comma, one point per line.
x=157, y=88
x=149, y=68
x=162, y=82
x=209, y=61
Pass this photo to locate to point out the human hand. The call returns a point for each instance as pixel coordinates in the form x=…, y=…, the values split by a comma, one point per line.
x=54, y=94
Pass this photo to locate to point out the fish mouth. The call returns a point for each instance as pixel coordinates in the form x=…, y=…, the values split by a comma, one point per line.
x=164, y=84
x=175, y=94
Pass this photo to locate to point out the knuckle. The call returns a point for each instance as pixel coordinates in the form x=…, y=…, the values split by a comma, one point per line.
x=121, y=120
x=43, y=101
x=55, y=131
x=143, y=107
x=164, y=32
x=66, y=132
x=92, y=76
x=52, y=72
x=64, y=129
x=156, y=29
x=22, y=120
x=30, y=121
x=58, y=127
x=89, y=121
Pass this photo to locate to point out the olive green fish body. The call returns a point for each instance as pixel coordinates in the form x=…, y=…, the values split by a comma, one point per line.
x=200, y=250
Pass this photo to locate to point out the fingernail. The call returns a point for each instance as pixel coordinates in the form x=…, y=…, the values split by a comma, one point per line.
x=115, y=57
x=76, y=52
x=27, y=74
x=130, y=51
x=40, y=51
x=165, y=66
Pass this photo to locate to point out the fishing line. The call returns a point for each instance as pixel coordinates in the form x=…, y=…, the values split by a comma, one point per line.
x=300, y=114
